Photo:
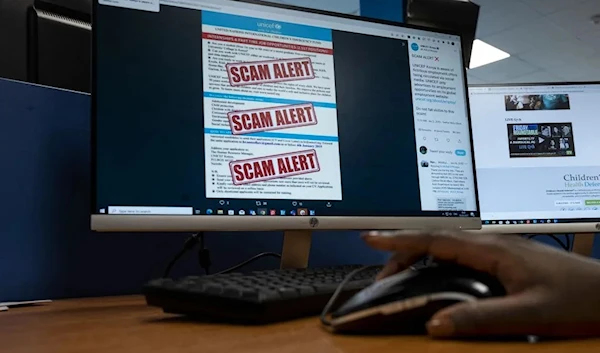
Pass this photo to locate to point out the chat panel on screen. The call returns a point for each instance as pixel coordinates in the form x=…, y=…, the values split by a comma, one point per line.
x=270, y=115
x=541, y=140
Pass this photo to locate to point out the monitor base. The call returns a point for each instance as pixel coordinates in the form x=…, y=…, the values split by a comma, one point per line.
x=296, y=249
x=583, y=244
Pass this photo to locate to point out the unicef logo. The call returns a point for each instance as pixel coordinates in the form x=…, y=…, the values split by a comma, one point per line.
x=275, y=26
x=414, y=46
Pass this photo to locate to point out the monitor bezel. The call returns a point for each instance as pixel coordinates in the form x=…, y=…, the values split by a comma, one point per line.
x=532, y=84
x=110, y=223
x=574, y=227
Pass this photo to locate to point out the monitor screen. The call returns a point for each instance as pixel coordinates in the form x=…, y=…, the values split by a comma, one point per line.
x=211, y=112
x=536, y=154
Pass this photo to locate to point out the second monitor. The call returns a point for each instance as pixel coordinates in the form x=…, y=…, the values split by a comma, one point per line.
x=536, y=149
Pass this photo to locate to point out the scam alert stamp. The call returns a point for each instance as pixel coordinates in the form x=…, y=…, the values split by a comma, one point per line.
x=271, y=71
x=274, y=118
x=277, y=166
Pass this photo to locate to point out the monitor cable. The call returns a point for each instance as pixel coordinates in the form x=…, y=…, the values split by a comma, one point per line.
x=249, y=261
x=325, y=317
x=189, y=244
x=204, y=257
x=565, y=245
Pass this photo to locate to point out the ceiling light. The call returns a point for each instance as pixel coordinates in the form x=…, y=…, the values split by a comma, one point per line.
x=484, y=54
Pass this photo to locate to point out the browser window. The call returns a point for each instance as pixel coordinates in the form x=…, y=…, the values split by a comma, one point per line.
x=231, y=108
x=536, y=154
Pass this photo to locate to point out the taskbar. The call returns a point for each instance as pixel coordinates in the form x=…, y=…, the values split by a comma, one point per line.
x=540, y=221
x=265, y=209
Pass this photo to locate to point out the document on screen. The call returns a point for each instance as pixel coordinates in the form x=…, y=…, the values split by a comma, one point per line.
x=270, y=114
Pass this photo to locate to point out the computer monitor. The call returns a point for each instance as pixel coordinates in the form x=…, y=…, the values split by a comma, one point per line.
x=213, y=115
x=538, y=165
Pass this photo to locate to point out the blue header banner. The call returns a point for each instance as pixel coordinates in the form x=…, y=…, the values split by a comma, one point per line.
x=276, y=135
x=265, y=99
x=391, y=10
x=265, y=26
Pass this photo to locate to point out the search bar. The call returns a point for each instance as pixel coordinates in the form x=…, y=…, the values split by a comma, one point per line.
x=144, y=210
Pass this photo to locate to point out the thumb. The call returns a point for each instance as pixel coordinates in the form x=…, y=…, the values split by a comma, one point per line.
x=507, y=316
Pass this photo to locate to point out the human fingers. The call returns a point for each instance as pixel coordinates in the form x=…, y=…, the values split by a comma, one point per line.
x=486, y=253
x=515, y=315
x=397, y=263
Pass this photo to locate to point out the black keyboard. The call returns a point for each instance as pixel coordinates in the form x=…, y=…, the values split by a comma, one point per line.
x=257, y=297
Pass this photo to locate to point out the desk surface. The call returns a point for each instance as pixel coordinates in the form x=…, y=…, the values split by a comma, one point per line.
x=125, y=324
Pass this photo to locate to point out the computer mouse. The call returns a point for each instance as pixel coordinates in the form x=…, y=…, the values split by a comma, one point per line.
x=404, y=303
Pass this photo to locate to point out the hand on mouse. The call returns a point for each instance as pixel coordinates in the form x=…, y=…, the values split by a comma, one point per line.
x=550, y=293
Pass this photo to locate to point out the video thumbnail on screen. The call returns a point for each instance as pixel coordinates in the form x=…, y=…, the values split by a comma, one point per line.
x=541, y=140
x=537, y=102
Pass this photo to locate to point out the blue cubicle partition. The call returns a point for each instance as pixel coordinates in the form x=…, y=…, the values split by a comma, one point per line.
x=46, y=247
x=392, y=10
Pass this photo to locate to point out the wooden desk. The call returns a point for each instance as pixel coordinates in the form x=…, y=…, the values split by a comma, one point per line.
x=125, y=324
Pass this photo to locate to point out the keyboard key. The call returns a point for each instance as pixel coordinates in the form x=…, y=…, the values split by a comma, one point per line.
x=247, y=293
x=266, y=295
x=326, y=287
x=305, y=290
x=232, y=292
x=287, y=292
x=213, y=288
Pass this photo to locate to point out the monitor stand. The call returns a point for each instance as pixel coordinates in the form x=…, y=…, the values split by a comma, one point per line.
x=296, y=249
x=583, y=244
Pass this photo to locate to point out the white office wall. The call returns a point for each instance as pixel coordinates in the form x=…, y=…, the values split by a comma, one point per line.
x=343, y=6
